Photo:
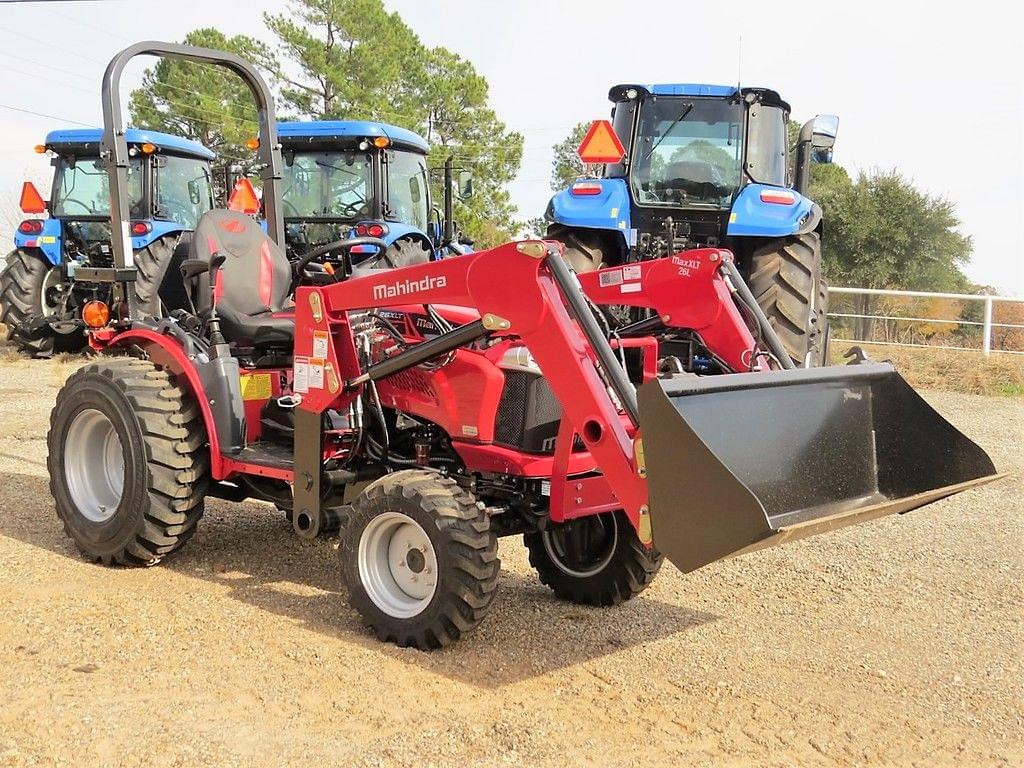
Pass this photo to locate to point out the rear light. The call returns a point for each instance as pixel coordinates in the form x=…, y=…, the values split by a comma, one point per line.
x=586, y=188
x=31, y=227
x=96, y=314
x=371, y=230
x=141, y=228
x=778, y=196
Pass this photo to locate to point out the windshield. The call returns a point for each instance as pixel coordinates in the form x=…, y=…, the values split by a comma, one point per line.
x=328, y=185
x=688, y=151
x=183, y=190
x=82, y=189
x=407, y=189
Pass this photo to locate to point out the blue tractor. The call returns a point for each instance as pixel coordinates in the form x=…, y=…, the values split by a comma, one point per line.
x=354, y=178
x=708, y=165
x=46, y=283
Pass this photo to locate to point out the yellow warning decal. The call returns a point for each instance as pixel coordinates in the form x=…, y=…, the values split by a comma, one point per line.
x=732, y=218
x=48, y=239
x=256, y=386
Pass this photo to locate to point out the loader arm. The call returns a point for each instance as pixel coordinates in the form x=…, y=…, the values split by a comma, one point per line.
x=687, y=291
x=514, y=289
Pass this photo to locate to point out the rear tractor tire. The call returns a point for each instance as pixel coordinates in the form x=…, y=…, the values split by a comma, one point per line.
x=128, y=462
x=419, y=559
x=785, y=278
x=597, y=560
x=30, y=288
x=585, y=250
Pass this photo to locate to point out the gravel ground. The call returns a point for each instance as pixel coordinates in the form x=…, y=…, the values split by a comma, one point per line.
x=893, y=643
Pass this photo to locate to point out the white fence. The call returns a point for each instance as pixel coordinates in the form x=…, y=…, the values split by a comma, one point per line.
x=986, y=323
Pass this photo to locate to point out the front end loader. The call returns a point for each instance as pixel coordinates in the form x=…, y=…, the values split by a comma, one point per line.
x=430, y=409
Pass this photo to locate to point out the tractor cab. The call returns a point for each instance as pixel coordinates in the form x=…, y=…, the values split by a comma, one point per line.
x=355, y=178
x=693, y=166
x=48, y=275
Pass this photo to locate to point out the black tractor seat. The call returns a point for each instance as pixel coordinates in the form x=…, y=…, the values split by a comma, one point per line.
x=252, y=291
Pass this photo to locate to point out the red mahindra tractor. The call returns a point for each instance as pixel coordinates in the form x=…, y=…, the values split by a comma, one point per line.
x=431, y=409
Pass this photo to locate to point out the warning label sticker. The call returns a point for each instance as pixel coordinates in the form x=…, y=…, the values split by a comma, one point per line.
x=255, y=386
x=301, y=369
x=632, y=272
x=320, y=344
x=316, y=373
x=611, y=277
x=630, y=288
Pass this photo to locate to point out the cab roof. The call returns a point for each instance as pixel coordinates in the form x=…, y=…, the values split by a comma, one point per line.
x=767, y=95
x=85, y=137
x=315, y=131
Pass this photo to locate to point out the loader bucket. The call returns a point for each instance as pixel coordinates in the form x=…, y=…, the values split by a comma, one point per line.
x=745, y=461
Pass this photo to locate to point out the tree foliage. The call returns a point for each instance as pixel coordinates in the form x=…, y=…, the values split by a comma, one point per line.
x=350, y=59
x=566, y=165
x=201, y=102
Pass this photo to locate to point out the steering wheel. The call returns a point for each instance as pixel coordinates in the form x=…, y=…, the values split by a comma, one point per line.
x=299, y=267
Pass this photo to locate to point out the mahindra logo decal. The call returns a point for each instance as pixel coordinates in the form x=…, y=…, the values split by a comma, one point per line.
x=405, y=287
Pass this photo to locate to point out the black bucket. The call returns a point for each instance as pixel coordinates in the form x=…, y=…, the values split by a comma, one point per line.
x=745, y=461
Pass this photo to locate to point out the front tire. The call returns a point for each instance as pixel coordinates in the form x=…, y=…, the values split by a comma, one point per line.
x=785, y=278
x=420, y=559
x=596, y=560
x=127, y=461
x=29, y=289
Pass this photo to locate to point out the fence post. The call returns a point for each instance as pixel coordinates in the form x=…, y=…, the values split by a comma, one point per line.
x=986, y=343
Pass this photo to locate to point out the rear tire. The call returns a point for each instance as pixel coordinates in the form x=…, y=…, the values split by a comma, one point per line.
x=785, y=278
x=585, y=250
x=420, y=559
x=128, y=462
x=611, y=567
x=405, y=252
x=152, y=263
x=26, y=285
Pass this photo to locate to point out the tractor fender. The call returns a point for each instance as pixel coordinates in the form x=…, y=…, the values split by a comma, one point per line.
x=608, y=209
x=158, y=229
x=399, y=231
x=752, y=217
x=168, y=352
x=48, y=241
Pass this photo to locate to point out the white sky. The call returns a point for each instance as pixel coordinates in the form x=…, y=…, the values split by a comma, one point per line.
x=935, y=90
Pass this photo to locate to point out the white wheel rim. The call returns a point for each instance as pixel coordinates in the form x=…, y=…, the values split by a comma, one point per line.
x=397, y=565
x=94, y=465
x=51, y=281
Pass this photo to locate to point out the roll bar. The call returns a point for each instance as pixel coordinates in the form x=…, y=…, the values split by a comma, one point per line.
x=114, y=148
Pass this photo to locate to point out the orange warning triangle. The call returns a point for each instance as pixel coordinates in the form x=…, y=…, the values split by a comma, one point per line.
x=601, y=145
x=243, y=198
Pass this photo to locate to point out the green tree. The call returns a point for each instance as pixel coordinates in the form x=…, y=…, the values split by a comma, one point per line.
x=566, y=165
x=201, y=102
x=350, y=59
x=345, y=60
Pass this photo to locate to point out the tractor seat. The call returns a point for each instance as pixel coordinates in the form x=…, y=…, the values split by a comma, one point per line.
x=252, y=285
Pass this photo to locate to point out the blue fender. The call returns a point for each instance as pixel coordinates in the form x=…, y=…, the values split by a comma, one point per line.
x=609, y=209
x=159, y=229
x=48, y=241
x=752, y=217
x=398, y=231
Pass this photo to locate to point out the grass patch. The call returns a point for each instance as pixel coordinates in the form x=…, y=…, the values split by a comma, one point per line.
x=948, y=370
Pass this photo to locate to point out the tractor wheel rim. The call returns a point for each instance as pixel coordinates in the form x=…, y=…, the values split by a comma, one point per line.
x=51, y=304
x=592, y=562
x=94, y=465
x=397, y=565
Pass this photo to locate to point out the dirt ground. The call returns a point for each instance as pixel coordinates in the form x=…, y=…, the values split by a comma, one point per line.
x=899, y=642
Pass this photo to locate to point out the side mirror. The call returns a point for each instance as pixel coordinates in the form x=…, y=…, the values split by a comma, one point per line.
x=826, y=127
x=465, y=185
